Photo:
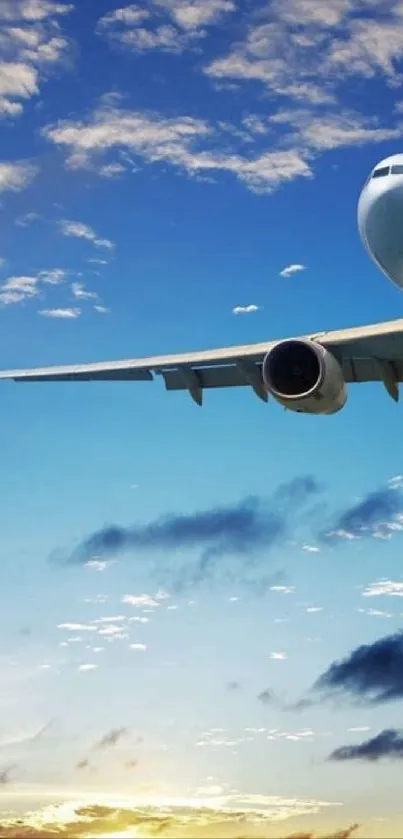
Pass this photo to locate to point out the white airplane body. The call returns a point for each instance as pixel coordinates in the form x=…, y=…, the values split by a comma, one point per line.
x=307, y=374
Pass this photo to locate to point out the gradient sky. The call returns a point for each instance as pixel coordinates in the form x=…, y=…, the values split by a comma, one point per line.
x=178, y=175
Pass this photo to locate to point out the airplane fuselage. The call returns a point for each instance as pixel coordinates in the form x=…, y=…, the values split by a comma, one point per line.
x=380, y=217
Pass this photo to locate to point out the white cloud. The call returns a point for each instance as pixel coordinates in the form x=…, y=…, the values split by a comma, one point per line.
x=76, y=627
x=283, y=589
x=292, y=269
x=141, y=600
x=313, y=609
x=110, y=630
x=278, y=656
x=140, y=647
x=311, y=549
x=359, y=728
x=80, y=293
x=17, y=289
x=383, y=588
x=178, y=141
x=64, y=314
x=112, y=170
x=85, y=667
x=167, y=25
x=139, y=620
x=113, y=619
x=32, y=10
x=102, y=310
x=245, y=310
x=53, y=277
x=16, y=176
x=78, y=230
x=99, y=564
x=193, y=14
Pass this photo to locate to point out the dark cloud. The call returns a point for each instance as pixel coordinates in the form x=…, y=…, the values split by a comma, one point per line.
x=83, y=764
x=112, y=738
x=373, y=672
x=386, y=744
x=243, y=529
x=5, y=774
x=370, y=515
x=131, y=764
x=266, y=697
x=233, y=685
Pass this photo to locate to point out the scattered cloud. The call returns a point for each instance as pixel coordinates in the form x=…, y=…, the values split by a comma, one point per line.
x=31, y=46
x=386, y=744
x=245, y=310
x=139, y=647
x=292, y=269
x=278, y=656
x=85, y=667
x=65, y=314
x=78, y=230
x=102, y=310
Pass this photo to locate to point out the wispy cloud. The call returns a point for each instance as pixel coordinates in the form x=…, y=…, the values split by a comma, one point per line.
x=233, y=531
x=78, y=230
x=80, y=293
x=187, y=143
x=382, y=588
x=64, y=314
x=377, y=514
x=386, y=744
x=292, y=269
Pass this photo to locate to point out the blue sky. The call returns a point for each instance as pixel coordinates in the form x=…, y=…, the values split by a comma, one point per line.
x=179, y=175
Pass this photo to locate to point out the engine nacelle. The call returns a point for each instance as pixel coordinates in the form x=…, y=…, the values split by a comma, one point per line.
x=305, y=377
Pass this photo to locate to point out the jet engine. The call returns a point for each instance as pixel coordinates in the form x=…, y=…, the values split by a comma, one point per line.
x=305, y=377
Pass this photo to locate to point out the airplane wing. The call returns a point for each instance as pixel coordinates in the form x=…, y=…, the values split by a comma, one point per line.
x=366, y=353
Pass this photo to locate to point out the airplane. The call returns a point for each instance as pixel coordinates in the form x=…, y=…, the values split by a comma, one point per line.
x=307, y=374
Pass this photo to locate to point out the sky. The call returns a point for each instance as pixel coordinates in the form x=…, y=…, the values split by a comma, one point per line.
x=201, y=607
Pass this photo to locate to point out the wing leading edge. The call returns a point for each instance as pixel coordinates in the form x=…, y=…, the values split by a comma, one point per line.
x=366, y=353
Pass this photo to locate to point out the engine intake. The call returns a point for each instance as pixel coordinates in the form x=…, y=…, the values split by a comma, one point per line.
x=305, y=377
